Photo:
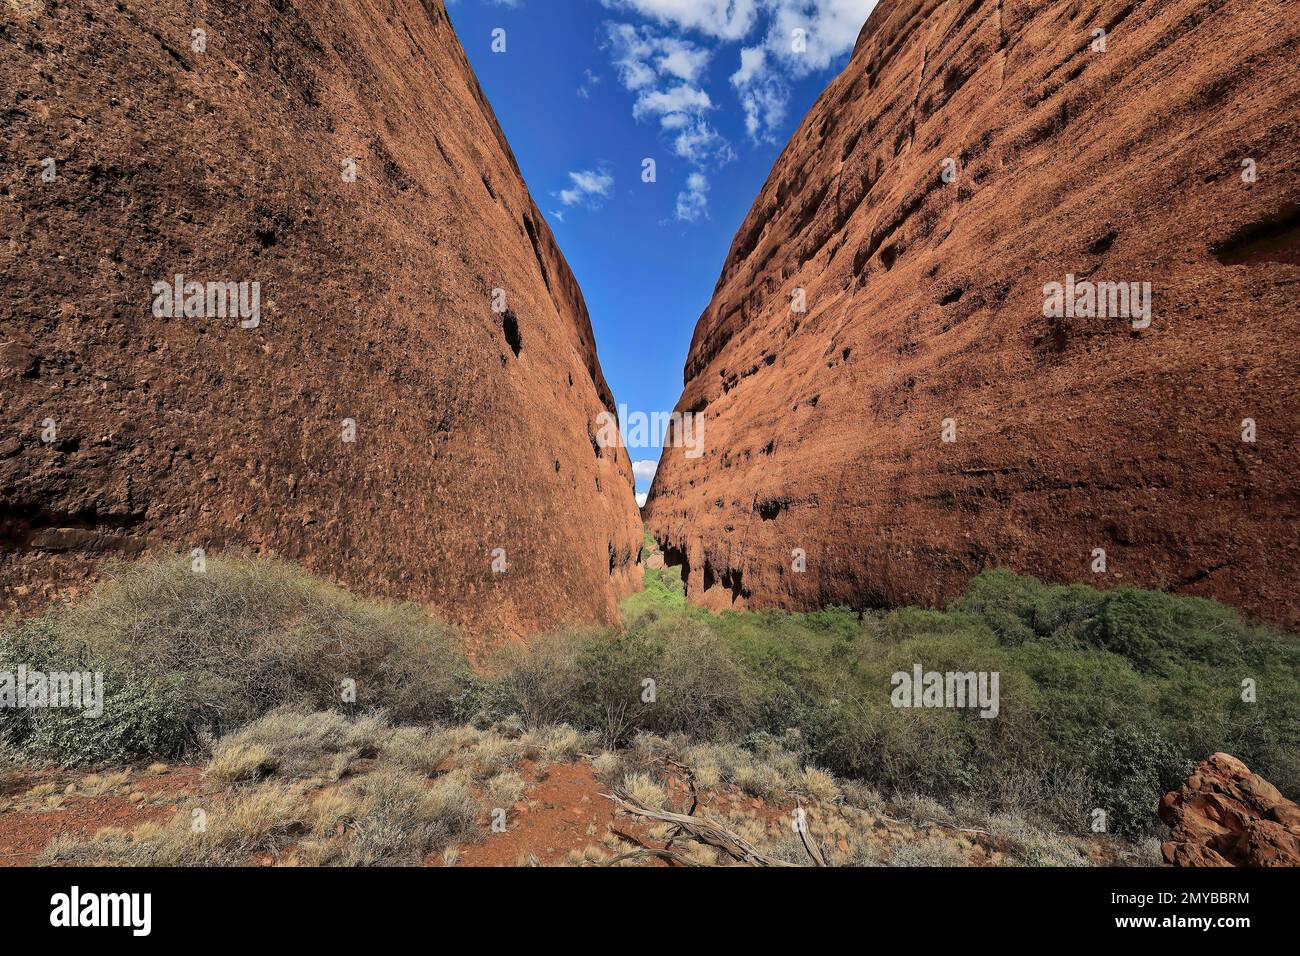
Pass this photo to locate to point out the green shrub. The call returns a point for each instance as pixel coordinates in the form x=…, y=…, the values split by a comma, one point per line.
x=1106, y=697
x=188, y=654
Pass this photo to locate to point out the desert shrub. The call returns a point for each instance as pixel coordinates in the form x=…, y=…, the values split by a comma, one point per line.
x=1107, y=697
x=596, y=682
x=538, y=681
x=261, y=820
x=1031, y=845
x=145, y=711
x=1129, y=770
x=422, y=749
x=187, y=653
x=645, y=790
x=930, y=851
x=399, y=820
x=294, y=743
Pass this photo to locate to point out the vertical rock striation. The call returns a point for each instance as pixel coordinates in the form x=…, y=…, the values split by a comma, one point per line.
x=223, y=156
x=1169, y=158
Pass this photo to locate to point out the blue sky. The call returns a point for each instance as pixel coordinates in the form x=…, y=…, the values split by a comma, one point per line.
x=711, y=90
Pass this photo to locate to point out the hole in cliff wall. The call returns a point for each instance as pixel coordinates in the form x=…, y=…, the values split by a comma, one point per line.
x=510, y=326
x=733, y=581
x=23, y=529
x=889, y=255
x=1275, y=238
x=1103, y=242
x=952, y=295
x=769, y=508
x=535, y=240
x=676, y=557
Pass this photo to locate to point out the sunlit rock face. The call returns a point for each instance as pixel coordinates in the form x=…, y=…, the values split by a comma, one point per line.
x=1020, y=291
x=363, y=403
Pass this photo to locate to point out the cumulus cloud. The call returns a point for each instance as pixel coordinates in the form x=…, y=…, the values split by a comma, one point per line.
x=693, y=201
x=666, y=73
x=782, y=41
x=673, y=106
x=802, y=37
x=589, y=186
x=641, y=497
x=645, y=469
x=723, y=19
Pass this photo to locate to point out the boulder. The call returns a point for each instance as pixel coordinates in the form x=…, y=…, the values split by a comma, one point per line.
x=1224, y=815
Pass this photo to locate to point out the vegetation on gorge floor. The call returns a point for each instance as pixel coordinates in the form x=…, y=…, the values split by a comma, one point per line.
x=1107, y=697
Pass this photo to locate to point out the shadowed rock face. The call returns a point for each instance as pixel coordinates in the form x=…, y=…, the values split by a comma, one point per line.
x=472, y=427
x=926, y=307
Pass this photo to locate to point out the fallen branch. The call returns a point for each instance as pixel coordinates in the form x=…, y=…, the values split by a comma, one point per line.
x=701, y=831
x=809, y=843
x=689, y=774
x=673, y=859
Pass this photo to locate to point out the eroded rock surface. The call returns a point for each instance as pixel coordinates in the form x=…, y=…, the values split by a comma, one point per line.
x=1224, y=815
x=1169, y=158
x=136, y=149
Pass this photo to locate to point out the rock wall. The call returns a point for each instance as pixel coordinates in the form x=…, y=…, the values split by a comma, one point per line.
x=137, y=148
x=972, y=153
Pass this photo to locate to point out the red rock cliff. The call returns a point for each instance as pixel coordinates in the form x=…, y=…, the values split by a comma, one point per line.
x=926, y=303
x=229, y=164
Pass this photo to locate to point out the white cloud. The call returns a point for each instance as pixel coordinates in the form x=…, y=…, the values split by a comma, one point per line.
x=668, y=73
x=701, y=144
x=803, y=37
x=641, y=496
x=763, y=97
x=645, y=470
x=678, y=102
x=589, y=80
x=831, y=27
x=642, y=56
x=723, y=19
x=589, y=185
x=682, y=60
x=693, y=201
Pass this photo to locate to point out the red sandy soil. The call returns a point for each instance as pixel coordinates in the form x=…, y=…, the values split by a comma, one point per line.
x=562, y=810
x=25, y=830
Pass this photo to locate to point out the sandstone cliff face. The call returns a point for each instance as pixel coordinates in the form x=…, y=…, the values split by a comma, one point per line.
x=925, y=308
x=229, y=164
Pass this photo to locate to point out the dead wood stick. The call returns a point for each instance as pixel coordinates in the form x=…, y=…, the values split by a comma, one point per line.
x=673, y=859
x=809, y=843
x=702, y=831
x=689, y=774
